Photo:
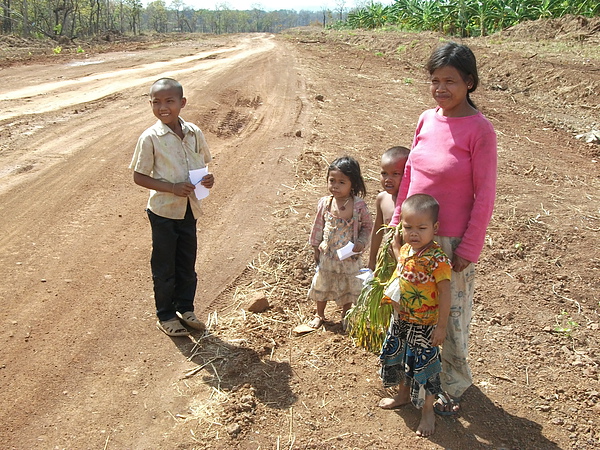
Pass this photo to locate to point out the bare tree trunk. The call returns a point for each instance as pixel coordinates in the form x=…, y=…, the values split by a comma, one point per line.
x=188, y=25
x=26, y=30
x=6, y=17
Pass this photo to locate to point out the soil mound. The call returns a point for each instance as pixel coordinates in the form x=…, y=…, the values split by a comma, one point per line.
x=567, y=28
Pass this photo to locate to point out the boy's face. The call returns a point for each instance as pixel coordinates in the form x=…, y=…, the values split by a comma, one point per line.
x=418, y=228
x=391, y=174
x=166, y=104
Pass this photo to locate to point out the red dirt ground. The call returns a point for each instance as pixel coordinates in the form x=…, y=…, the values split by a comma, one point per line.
x=82, y=363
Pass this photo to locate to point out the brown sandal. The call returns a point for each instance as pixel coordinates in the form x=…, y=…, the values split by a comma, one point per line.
x=172, y=327
x=189, y=319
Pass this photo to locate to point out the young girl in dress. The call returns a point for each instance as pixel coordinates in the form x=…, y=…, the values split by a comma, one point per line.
x=342, y=217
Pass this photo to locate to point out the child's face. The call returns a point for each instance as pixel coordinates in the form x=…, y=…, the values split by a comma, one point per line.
x=449, y=90
x=339, y=184
x=166, y=105
x=391, y=174
x=418, y=228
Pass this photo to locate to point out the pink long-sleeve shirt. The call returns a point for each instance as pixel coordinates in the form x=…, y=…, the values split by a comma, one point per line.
x=454, y=159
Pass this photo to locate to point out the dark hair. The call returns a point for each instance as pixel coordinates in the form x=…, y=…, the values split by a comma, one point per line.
x=397, y=152
x=422, y=203
x=168, y=83
x=461, y=58
x=350, y=167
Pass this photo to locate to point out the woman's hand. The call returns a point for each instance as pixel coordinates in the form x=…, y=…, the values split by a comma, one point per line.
x=459, y=263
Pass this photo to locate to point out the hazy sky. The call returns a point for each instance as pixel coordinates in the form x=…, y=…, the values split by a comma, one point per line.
x=270, y=5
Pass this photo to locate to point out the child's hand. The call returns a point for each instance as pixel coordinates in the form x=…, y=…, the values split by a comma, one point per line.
x=317, y=254
x=208, y=181
x=396, y=307
x=396, y=243
x=183, y=189
x=439, y=336
x=358, y=247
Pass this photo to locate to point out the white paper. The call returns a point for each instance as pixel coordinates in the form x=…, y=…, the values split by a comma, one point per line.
x=366, y=275
x=346, y=251
x=393, y=290
x=195, y=178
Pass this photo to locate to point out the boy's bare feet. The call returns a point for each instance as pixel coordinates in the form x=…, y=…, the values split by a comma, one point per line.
x=400, y=399
x=427, y=425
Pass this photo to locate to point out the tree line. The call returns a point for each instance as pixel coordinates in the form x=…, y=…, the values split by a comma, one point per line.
x=87, y=18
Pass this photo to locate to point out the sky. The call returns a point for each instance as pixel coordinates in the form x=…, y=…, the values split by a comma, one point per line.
x=270, y=5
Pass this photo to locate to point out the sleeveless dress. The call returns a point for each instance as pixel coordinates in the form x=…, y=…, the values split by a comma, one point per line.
x=335, y=279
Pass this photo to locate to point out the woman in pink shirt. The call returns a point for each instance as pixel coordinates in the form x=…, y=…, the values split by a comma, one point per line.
x=454, y=159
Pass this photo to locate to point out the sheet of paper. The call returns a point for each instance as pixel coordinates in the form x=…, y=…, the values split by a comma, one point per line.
x=346, y=251
x=393, y=291
x=365, y=275
x=196, y=176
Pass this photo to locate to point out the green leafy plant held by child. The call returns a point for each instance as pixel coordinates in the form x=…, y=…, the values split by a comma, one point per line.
x=369, y=320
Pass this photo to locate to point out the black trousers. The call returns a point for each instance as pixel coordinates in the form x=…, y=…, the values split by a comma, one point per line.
x=173, y=263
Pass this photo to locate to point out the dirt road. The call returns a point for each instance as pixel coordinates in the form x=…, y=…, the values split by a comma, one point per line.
x=82, y=364
x=81, y=355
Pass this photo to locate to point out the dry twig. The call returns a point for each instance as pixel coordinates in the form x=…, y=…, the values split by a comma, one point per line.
x=566, y=298
x=195, y=370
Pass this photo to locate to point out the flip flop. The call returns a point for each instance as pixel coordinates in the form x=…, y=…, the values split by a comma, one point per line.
x=305, y=328
x=189, y=319
x=446, y=405
x=315, y=323
x=172, y=328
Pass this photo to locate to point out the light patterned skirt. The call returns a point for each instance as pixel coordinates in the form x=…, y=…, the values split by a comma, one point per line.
x=336, y=280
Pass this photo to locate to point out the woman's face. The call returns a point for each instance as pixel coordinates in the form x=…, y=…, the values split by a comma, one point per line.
x=449, y=90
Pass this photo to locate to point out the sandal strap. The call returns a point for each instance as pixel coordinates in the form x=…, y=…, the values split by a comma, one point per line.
x=173, y=327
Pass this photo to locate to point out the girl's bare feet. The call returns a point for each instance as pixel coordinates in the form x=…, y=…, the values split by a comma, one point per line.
x=316, y=323
x=400, y=399
x=427, y=425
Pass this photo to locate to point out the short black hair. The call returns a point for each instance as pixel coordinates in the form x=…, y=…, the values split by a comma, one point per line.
x=168, y=83
x=422, y=203
x=396, y=152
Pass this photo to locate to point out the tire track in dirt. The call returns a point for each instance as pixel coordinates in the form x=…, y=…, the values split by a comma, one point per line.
x=56, y=95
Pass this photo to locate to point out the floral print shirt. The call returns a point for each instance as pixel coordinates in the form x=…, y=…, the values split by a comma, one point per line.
x=414, y=284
